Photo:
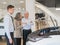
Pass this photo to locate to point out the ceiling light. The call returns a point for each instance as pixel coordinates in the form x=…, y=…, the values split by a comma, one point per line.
x=21, y=1
x=0, y=9
x=4, y=2
x=57, y=8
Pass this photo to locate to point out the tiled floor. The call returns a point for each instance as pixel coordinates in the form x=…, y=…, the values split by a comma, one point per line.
x=3, y=42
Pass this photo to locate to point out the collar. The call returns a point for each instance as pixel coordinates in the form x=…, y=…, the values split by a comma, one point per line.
x=9, y=14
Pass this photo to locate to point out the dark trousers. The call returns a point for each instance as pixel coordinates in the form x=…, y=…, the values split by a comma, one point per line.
x=25, y=35
x=8, y=43
x=17, y=41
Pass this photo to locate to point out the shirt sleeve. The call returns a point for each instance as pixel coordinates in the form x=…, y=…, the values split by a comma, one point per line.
x=23, y=22
x=30, y=22
x=6, y=26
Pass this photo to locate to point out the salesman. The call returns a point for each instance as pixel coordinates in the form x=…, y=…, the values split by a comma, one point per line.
x=26, y=23
x=8, y=24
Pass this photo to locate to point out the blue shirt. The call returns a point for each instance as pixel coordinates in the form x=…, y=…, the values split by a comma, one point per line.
x=26, y=23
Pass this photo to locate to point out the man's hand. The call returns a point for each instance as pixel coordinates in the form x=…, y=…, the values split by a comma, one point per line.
x=31, y=22
x=25, y=23
x=11, y=41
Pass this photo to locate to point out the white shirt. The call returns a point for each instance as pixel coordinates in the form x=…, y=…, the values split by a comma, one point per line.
x=8, y=25
x=26, y=23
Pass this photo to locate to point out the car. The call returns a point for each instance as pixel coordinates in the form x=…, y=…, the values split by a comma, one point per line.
x=2, y=31
x=46, y=36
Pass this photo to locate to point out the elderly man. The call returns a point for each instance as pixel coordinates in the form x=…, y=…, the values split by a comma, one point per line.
x=26, y=23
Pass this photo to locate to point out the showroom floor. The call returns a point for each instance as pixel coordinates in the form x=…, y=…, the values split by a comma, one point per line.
x=3, y=42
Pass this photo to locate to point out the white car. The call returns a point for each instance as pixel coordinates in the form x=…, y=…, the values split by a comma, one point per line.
x=51, y=37
x=2, y=31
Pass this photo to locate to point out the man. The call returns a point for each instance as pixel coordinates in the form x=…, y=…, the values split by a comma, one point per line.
x=26, y=23
x=8, y=25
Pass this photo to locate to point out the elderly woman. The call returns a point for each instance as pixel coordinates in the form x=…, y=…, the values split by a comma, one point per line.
x=17, y=32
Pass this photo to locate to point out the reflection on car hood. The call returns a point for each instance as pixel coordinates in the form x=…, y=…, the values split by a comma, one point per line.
x=35, y=36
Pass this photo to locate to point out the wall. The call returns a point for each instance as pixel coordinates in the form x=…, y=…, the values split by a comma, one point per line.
x=30, y=7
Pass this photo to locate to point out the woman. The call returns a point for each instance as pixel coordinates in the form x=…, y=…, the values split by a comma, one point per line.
x=17, y=32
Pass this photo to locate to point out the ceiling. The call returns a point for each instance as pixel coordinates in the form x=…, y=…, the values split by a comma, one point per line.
x=50, y=3
x=19, y=6
x=16, y=3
